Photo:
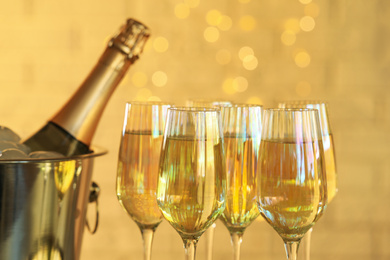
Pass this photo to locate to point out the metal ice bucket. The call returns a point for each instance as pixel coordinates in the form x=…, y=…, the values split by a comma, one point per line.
x=43, y=204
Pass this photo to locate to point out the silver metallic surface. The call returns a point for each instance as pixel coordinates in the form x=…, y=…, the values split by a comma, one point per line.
x=43, y=207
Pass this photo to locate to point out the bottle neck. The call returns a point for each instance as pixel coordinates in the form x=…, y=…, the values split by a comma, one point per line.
x=81, y=114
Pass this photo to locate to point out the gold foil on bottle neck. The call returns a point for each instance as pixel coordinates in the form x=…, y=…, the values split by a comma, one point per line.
x=131, y=39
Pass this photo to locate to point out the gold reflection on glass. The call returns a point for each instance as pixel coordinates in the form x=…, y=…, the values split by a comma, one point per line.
x=182, y=11
x=240, y=84
x=225, y=23
x=154, y=98
x=139, y=79
x=245, y=51
x=63, y=176
x=305, y=1
x=312, y=10
x=228, y=87
x=160, y=44
x=254, y=100
x=303, y=88
x=288, y=38
x=192, y=3
x=143, y=94
x=159, y=78
x=213, y=17
x=223, y=57
x=307, y=23
x=211, y=34
x=250, y=62
x=247, y=23
x=292, y=24
x=302, y=59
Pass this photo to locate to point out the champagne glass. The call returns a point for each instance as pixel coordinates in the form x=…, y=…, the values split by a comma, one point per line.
x=292, y=187
x=198, y=102
x=139, y=156
x=242, y=137
x=328, y=144
x=192, y=178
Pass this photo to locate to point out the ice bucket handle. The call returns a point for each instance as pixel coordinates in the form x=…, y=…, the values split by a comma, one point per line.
x=93, y=197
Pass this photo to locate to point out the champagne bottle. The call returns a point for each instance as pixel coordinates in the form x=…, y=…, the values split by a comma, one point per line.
x=71, y=130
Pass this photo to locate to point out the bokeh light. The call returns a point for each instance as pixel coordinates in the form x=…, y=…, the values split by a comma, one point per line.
x=227, y=86
x=223, y=56
x=247, y=23
x=254, y=100
x=288, y=38
x=143, y=94
x=307, y=23
x=245, y=51
x=305, y=2
x=160, y=44
x=192, y=3
x=139, y=79
x=213, y=17
x=302, y=59
x=250, y=62
x=240, y=84
x=226, y=23
x=211, y=34
x=182, y=10
x=159, y=78
x=303, y=88
x=292, y=24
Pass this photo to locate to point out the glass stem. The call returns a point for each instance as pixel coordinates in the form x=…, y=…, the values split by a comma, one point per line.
x=291, y=249
x=190, y=248
x=147, y=236
x=236, y=242
x=209, y=241
x=306, y=244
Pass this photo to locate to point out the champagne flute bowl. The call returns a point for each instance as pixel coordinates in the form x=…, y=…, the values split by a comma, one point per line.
x=242, y=137
x=292, y=187
x=330, y=160
x=139, y=156
x=192, y=178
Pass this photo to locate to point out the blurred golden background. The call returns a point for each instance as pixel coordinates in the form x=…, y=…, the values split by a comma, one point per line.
x=255, y=51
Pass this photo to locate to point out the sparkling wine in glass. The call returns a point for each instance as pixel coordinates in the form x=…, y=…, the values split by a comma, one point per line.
x=199, y=102
x=139, y=156
x=192, y=177
x=292, y=185
x=242, y=137
x=330, y=160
